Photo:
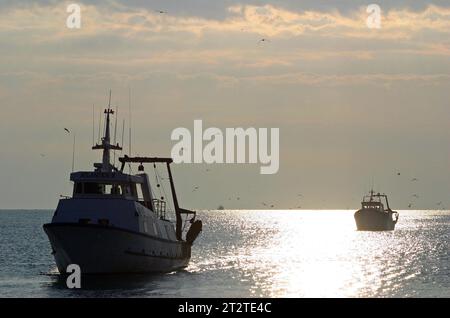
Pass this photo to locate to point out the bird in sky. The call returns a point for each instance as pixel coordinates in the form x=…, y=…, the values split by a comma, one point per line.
x=398, y=173
x=263, y=40
x=195, y=188
x=439, y=203
x=414, y=179
x=264, y=204
x=409, y=205
x=42, y=155
x=415, y=195
x=67, y=130
x=161, y=11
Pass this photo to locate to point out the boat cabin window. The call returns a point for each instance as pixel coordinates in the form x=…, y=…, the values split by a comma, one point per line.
x=139, y=192
x=101, y=188
x=373, y=206
x=78, y=188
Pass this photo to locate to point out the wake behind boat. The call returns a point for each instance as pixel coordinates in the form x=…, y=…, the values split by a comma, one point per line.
x=373, y=216
x=114, y=224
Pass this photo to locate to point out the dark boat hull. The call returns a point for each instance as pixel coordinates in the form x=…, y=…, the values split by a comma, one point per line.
x=373, y=220
x=108, y=250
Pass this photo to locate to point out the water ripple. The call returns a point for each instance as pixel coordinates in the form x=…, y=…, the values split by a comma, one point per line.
x=256, y=254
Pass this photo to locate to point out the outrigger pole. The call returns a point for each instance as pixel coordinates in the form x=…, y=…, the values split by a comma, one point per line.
x=387, y=201
x=167, y=161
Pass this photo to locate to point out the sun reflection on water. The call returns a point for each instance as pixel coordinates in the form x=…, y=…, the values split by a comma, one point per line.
x=310, y=258
x=316, y=254
x=257, y=254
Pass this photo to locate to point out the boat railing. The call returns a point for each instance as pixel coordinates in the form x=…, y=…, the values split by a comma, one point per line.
x=160, y=208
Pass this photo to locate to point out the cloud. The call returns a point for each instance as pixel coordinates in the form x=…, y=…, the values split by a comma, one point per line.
x=125, y=42
x=117, y=35
x=114, y=35
x=352, y=79
x=265, y=20
x=44, y=79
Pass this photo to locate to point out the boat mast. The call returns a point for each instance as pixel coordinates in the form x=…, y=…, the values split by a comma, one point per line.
x=106, y=145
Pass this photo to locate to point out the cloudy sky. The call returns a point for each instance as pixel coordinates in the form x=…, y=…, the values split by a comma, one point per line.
x=354, y=105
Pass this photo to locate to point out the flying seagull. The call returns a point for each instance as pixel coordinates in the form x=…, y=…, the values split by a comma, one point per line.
x=414, y=179
x=415, y=195
x=195, y=188
x=68, y=131
x=409, y=205
x=160, y=11
x=263, y=40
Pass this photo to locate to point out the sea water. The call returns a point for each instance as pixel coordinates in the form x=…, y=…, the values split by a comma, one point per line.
x=307, y=253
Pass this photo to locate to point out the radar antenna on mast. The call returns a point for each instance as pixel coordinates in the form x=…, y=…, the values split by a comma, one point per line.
x=105, y=144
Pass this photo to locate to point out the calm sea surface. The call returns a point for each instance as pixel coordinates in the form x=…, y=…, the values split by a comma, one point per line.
x=255, y=254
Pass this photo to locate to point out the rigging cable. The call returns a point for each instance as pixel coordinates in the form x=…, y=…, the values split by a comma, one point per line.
x=158, y=178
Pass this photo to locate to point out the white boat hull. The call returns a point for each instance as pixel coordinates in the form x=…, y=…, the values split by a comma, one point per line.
x=106, y=250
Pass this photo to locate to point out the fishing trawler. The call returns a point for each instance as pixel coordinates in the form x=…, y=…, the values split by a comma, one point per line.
x=113, y=223
x=373, y=216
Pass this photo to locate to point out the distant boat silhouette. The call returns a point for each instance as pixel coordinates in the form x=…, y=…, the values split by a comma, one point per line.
x=373, y=216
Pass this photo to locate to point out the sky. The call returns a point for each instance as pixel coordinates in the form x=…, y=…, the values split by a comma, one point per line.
x=355, y=106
